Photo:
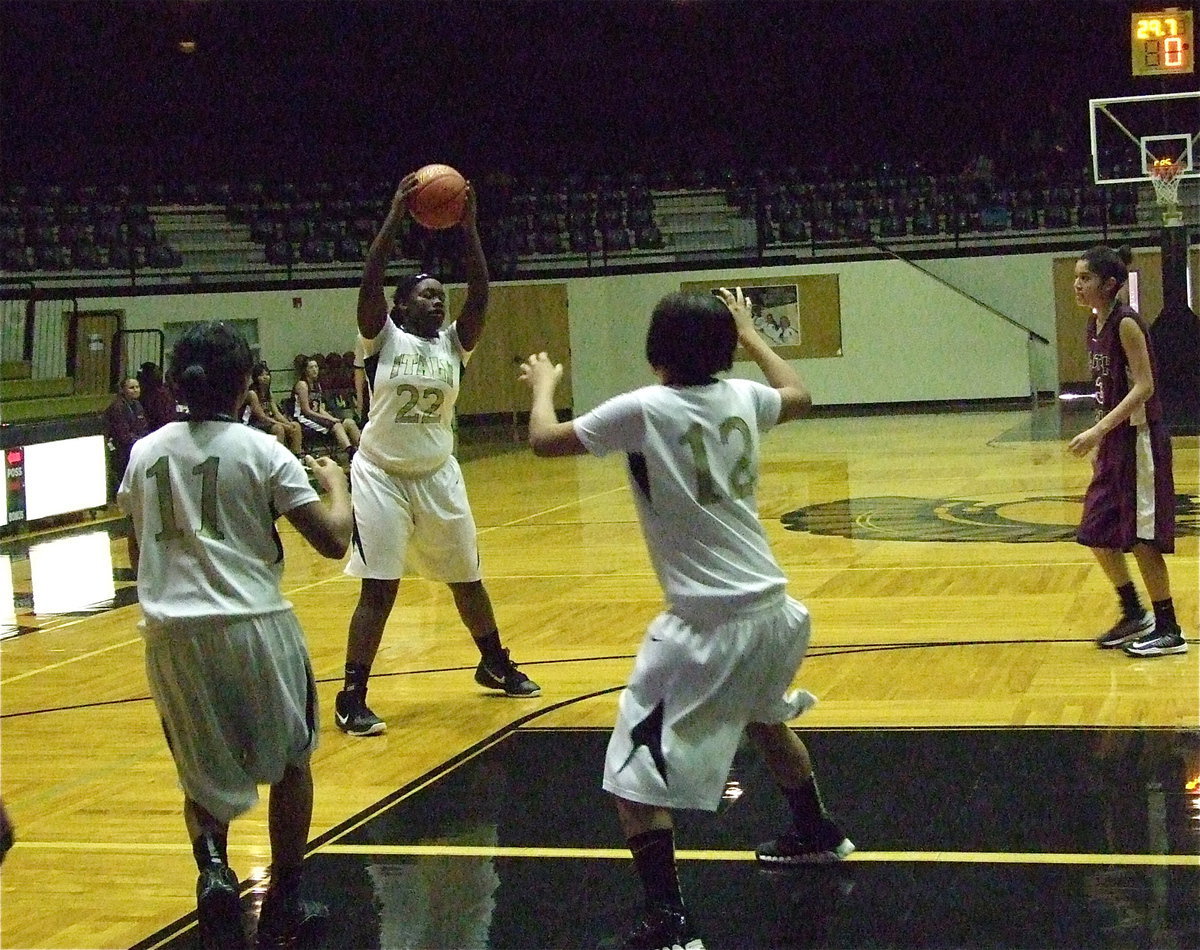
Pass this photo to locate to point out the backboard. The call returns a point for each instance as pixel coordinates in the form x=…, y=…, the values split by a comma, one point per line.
x=1130, y=133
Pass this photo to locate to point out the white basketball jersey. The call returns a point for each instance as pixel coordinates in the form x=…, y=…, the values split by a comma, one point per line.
x=414, y=385
x=203, y=498
x=693, y=467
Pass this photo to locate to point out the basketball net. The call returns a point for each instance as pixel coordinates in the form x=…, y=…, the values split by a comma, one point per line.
x=1165, y=176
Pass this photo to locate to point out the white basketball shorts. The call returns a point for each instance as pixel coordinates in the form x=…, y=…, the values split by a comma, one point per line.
x=690, y=696
x=238, y=704
x=425, y=519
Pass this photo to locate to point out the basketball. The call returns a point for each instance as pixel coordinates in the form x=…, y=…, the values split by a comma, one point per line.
x=440, y=197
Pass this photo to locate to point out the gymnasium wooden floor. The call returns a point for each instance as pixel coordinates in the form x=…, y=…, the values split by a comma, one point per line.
x=1007, y=784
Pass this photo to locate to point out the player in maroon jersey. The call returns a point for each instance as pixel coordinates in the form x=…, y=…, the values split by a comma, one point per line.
x=1130, y=503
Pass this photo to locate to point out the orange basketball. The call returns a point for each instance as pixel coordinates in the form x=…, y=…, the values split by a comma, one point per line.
x=439, y=198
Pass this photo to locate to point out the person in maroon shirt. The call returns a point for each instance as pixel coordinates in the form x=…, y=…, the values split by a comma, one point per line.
x=125, y=422
x=157, y=399
x=1130, y=503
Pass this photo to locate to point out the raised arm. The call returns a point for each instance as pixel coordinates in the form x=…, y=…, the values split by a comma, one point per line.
x=372, y=301
x=780, y=374
x=474, y=311
x=362, y=393
x=547, y=436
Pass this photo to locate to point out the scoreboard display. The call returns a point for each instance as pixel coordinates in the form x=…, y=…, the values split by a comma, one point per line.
x=14, y=485
x=45, y=479
x=1162, y=43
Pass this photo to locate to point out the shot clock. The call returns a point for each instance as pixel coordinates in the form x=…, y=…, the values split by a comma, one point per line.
x=1162, y=42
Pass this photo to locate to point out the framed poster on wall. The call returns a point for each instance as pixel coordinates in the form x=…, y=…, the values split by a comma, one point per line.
x=800, y=317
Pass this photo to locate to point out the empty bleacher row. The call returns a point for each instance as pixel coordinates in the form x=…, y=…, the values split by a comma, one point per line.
x=790, y=207
x=52, y=228
x=283, y=224
x=320, y=225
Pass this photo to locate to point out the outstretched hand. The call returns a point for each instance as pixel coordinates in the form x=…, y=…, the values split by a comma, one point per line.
x=739, y=306
x=540, y=373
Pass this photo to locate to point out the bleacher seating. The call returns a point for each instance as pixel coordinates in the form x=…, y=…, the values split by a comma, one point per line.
x=53, y=228
x=25, y=399
x=538, y=221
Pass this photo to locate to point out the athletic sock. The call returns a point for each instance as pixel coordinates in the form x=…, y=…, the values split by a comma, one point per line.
x=357, y=675
x=1164, y=616
x=654, y=860
x=285, y=882
x=1131, y=606
x=490, y=649
x=805, y=803
x=209, y=848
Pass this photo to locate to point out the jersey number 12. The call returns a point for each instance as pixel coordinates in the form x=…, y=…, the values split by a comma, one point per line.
x=741, y=474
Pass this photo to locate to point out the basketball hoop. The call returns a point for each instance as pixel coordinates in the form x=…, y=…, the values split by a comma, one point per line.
x=1165, y=176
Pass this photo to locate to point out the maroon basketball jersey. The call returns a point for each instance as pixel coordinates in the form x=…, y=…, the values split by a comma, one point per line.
x=1131, y=497
x=1110, y=368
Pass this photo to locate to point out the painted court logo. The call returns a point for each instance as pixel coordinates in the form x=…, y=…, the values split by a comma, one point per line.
x=1038, y=518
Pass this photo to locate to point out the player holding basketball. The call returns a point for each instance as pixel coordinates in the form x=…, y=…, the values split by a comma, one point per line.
x=1130, y=503
x=225, y=656
x=407, y=487
x=717, y=662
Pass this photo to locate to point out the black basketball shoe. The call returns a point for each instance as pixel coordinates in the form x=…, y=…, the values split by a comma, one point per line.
x=506, y=678
x=663, y=928
x=219, y=909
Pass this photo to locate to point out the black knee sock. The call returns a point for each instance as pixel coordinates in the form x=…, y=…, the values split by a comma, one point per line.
x=357, y=675
x=654, y=861
x=285, y=882
x=805, y=803
x=490, y=649
x=1131, y=606
x=209, y=848
x=1164, y=616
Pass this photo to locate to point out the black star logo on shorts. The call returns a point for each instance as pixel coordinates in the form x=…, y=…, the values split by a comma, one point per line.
x=648, y=733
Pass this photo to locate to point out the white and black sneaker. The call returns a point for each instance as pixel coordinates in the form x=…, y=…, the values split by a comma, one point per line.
x=1126, y=631
x=823, y=844
x=506, y=677
x=1158, y=644
x=353, y=717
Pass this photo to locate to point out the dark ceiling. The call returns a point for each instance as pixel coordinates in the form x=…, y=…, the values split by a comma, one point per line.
x=94, y=89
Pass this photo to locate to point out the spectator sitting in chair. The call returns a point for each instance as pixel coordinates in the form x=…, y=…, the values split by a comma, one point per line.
x=262, y=412
x=311, y=411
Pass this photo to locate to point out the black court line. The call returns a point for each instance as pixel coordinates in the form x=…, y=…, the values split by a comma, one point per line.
x=813, y=654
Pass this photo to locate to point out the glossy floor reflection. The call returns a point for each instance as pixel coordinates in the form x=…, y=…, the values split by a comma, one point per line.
x=45, y=581
x=1030, y=838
